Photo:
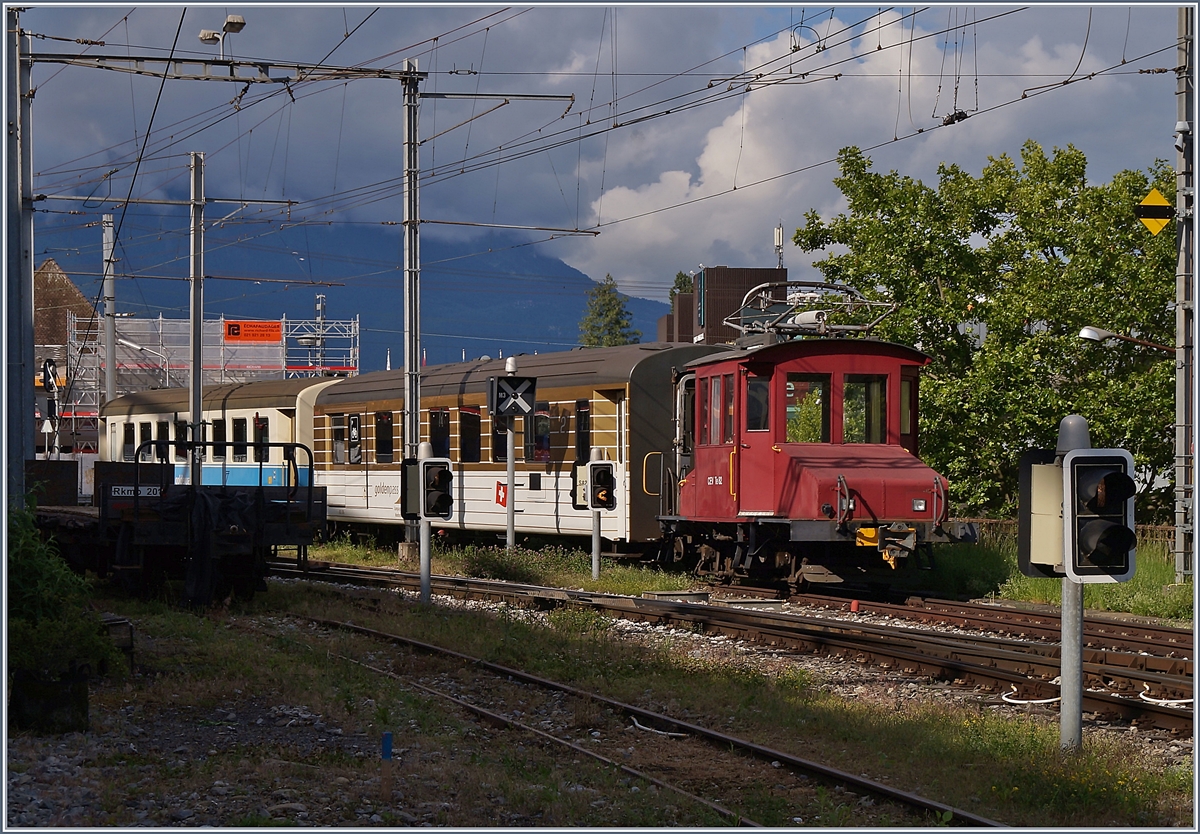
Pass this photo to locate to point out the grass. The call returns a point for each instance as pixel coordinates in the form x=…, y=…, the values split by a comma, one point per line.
x=528, y=563
x=1000, y=767
x=960, y=571
x=1009, y=769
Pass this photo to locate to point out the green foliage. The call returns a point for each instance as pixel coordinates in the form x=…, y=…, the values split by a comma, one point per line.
x=50, y=621
x=996, y=275
x=606, y=321
x=683, y=283
x=804, y=419
x=1150, y=593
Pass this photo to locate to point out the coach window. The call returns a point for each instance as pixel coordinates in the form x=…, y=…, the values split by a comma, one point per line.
x=128, y=443
x=145, y=436
x=468, y=434
x=702, y=413
x=239, y=439
x=219, y=439
x=583, y=430
x=354, y=446
x=337, y=423
x=262, y=433
x=180, y=440
x=162, y=434
x=758, y=403
x=864, y=409
x=537, y=434
x=807, y=408
x=384, y=439
x=500, y=439
x=439, y=432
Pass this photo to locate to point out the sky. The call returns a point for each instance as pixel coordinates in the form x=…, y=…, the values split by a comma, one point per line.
x=694, y=130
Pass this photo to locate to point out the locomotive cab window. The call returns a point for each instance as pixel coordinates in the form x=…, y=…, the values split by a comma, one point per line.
x=439, y=432
x=727, y=411
x=468, y=434
x=807, y=408
x=864, y=409
x=908, y=412
x=758, y=403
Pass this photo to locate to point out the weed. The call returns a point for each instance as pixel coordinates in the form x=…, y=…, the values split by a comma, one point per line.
x=579, y=621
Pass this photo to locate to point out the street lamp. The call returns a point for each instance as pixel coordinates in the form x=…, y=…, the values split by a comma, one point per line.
x=162, y=356
x=233, y=23
x=1095, y=334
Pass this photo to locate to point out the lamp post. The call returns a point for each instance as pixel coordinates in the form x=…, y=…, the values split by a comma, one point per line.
x=1096, y=334
x=162, y=356
x=233, y=23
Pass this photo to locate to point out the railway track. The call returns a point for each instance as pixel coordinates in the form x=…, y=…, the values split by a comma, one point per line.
x=722, y=744
x=1102, y=631
x=1129, y=686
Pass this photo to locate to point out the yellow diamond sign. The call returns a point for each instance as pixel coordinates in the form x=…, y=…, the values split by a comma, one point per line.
x=1154, y=211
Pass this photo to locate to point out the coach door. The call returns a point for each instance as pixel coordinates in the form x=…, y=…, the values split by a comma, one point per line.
x=715, y=451
x=755, y=458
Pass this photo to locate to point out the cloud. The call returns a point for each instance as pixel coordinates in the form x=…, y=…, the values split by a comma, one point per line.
x=760, y=156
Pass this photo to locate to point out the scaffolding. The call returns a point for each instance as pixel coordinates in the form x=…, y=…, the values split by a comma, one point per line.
x=156, y=353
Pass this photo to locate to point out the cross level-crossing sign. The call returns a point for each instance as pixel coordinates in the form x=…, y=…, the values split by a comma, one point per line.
x=511, y=396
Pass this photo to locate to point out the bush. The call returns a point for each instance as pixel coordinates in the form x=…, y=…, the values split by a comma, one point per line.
x=51, y=625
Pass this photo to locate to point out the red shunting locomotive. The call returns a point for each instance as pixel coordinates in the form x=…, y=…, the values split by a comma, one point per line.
x=798, y=462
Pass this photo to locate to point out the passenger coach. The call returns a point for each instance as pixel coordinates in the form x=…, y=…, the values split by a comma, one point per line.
x=617, y=399
x=236, y=417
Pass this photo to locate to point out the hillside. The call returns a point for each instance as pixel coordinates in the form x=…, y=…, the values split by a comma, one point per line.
x=477, y=298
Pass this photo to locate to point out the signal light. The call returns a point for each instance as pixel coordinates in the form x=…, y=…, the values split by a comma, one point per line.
x=437, y=498
x=1098, y=524
x=602, y=485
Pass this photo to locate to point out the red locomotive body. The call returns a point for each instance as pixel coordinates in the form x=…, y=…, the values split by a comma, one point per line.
x=802, y=455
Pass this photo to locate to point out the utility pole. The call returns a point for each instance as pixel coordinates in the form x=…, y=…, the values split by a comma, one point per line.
x=412, y=285
x=110, y=313
x=18, y=298
x=1185, y=313
x=510, y=469
x=197, y=276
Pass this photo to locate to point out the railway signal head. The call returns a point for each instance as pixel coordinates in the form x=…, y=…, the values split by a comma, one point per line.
x=1098, y=527
x=50, y=376
x=602, y=485
x=437, y=480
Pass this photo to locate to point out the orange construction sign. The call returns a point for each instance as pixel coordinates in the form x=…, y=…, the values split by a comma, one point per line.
x=256, y=332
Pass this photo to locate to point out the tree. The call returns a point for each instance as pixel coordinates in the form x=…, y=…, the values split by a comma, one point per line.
x=683, y=283
x=606, y=322
x=996, y=275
